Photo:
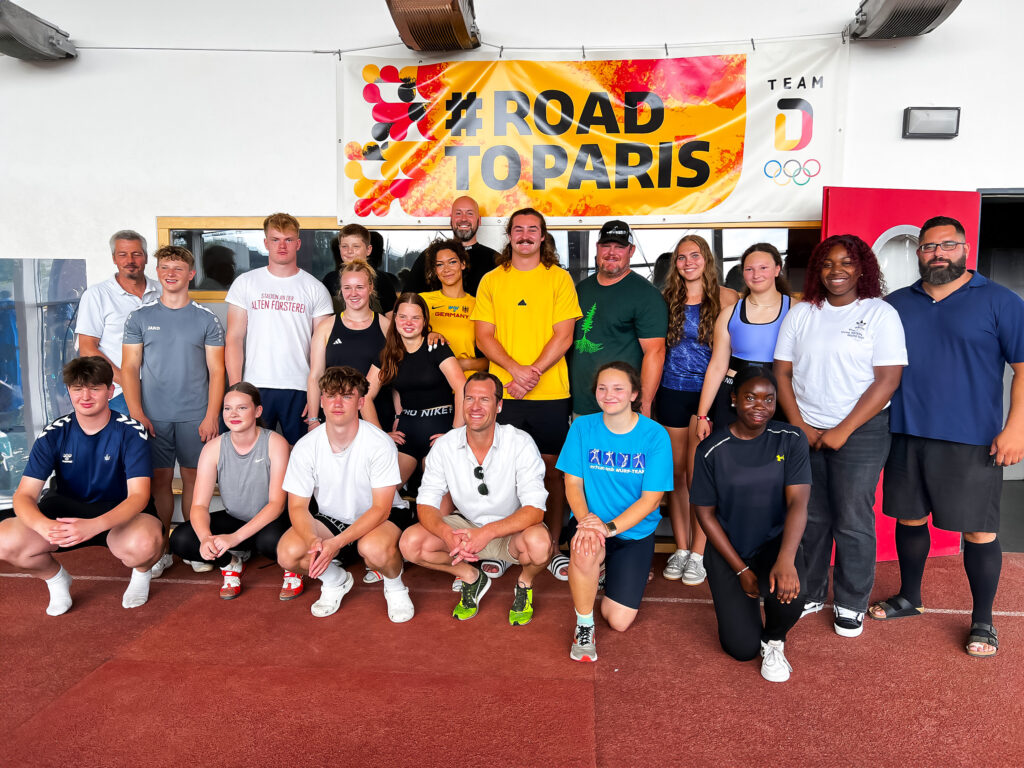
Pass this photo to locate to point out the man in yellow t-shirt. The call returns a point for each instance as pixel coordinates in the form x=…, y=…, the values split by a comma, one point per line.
x=525, y=312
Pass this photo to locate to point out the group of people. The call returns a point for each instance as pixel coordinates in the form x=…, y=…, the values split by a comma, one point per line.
x=765, y=418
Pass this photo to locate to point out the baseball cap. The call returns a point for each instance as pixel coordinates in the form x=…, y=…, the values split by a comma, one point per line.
x=615, y=231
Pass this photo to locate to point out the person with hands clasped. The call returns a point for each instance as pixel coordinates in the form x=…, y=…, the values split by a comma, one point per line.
x=839, y=358
x=751, y=482
x=617, y=465
x=351, y=466
x=495, y=476
x=247, y=465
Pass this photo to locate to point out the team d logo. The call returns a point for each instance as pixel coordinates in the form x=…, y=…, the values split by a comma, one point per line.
x=794, y=125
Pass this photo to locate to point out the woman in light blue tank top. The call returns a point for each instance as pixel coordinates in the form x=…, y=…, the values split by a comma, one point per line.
x=248, y=464
x=695, y=300
x=747, y=335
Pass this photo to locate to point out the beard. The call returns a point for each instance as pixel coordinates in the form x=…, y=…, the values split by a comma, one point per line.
x=464, y=235
x=940, y=275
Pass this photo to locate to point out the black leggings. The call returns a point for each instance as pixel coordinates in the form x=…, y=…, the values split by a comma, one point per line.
x=185, y=543
x=740, y=630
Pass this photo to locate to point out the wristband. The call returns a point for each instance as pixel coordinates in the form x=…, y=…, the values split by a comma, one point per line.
x=745, y=569
x=312, y=421
x=704, y=418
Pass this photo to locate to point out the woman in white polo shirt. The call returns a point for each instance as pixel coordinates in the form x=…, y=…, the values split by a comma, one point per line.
x=839, y=357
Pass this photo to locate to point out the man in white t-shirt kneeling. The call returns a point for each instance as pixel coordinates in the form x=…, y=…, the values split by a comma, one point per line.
x=495, y=475
x=351, y=468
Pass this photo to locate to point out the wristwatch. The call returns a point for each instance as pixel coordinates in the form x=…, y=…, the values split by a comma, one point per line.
x=611, y=528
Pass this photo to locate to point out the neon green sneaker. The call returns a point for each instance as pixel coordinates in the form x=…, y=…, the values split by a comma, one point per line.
x=522, y=607
x=469, y=604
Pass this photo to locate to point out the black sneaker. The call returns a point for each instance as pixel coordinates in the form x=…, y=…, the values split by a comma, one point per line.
x=469, y=604
x=848, y=623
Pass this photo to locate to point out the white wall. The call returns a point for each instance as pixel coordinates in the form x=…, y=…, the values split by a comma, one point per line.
x=119, y=137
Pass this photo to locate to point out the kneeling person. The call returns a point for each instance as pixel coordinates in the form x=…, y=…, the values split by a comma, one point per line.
x=495, y=475
x=617, y=465
x=351, y=467
x=99, y=495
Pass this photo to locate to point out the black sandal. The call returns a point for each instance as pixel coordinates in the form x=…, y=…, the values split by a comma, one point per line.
x=982, y=633
x=896, y=607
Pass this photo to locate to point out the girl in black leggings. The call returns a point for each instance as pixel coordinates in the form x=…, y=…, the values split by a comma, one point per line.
x=751, y=484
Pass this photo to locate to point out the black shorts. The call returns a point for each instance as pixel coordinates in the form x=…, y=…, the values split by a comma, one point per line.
x=53, y=505
x=419, y=428
x=627, y=564
x=674, y=408
x=349, y=554
x=546, y=421
x=956, y=483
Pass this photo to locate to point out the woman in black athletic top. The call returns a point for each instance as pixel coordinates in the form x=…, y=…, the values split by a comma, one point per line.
x=356, y=338
x=428, y=384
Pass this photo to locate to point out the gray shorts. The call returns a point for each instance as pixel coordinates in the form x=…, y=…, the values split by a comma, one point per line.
x=175, y=440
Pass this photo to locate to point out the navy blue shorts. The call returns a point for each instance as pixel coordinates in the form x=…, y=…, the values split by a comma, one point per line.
x=284, y=407
x=627, y=564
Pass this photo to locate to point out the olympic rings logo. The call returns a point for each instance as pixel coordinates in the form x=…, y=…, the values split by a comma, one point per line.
x=792, y=170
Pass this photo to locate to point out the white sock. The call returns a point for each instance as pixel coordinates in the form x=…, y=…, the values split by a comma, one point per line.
x=60, y=593
x=390, y=585
x=334, y=576
x=138, y=589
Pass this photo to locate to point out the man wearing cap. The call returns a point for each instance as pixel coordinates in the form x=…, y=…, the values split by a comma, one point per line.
x=465, y=220
x=624, y=318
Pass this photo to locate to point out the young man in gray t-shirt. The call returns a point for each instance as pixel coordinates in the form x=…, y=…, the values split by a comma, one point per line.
x=173, y=372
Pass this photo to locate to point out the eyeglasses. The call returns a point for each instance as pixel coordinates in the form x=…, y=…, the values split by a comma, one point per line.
x=478, y=473
x=946, y=245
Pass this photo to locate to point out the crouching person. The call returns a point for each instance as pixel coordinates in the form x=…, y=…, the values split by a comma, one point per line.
x=351, y=468
x=99, y=495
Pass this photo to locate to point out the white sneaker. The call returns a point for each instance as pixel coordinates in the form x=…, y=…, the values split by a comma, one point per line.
x=694, y=573
x=676, y=563
x=848, y=623
x=811, y=606
x=400, y=607
x=774, y=667
x=330, y=598
x=199, y=566
x=372, y=576
x=161, y=565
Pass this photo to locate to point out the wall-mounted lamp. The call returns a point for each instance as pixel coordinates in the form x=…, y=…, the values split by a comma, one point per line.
x=931, y=122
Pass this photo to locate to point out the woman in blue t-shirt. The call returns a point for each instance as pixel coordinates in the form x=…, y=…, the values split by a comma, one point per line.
x=617, y=465
x=751, y=483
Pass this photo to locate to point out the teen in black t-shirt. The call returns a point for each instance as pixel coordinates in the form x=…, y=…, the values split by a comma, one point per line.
x=751, y=483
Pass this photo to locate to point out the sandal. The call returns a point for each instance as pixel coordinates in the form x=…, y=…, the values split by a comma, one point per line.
x=896, y=607
x=984, y=634
x=559, y=567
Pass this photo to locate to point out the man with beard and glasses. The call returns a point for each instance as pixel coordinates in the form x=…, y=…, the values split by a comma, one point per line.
x=624, y=319
x=948, y=440
x=465, y=220
x=525, y=313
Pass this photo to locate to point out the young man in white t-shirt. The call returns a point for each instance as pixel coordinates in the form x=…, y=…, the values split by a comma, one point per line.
x=272, y=314
x=351, y=467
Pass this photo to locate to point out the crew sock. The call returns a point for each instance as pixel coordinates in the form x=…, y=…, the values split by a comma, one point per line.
x=60, y=593
x=912, y=545
x=585, y=619
x=138, y=589
x=983, y=562
x=334, y=576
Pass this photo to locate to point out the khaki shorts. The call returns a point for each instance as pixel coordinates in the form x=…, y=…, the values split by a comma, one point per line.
x=496, y=549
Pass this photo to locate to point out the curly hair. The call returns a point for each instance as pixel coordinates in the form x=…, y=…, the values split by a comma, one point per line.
x=870, y=285
x=394, y=350
x=548, y=256
x=675, y=295
x=430, y=258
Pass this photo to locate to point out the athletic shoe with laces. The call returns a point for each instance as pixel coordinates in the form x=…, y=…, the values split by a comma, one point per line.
x=161, y=565
x=232, y=574
x=330, y=598
x=848, y=623
x=292, y=586
x=372, y=576
x=583, y=646
x=811, y=606
x=522, y=606
x=676, y=563
x=694, y=573
x=469, y=603
x=774, y=667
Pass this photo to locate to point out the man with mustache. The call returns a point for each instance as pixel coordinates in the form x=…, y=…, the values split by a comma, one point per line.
x=465, y=221
x=949, y=443
x=525, y=312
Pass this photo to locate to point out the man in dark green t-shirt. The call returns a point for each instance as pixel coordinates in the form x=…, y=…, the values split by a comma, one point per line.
x=624, y=318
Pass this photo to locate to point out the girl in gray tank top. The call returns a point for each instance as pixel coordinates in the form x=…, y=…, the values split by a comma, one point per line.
x=244, y=479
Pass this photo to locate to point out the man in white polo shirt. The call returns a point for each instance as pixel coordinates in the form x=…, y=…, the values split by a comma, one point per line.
x=104, y=306
x=495, y=475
